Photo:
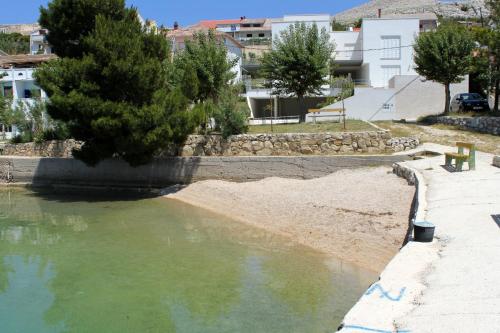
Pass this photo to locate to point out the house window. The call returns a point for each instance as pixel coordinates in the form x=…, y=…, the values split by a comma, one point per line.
x=391, y=47
x=262, y=35
x=249, y=35
x=8, y=92
x=5, y=128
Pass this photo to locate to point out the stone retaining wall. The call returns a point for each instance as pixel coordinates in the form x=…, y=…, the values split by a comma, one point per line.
x=490, y=125
x=45, y=149
x=374, y=142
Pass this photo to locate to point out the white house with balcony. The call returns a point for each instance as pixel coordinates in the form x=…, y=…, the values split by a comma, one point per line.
x=39, y=43
x=378, y=57
x=18, y=84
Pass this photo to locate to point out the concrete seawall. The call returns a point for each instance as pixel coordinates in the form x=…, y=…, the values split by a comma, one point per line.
x=451, y=284
x=174, y=170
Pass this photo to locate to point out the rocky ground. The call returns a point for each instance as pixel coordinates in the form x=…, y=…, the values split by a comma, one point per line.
x=456, y=9
x=444, y=135
x=360, y=215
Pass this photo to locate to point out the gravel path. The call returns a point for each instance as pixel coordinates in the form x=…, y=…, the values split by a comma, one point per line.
x=360, y=215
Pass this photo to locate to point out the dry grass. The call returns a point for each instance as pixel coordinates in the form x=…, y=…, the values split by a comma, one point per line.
x=351, y=126
x=444, y=134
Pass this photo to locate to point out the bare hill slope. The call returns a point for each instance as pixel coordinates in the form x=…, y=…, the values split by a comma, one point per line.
x=457, y=9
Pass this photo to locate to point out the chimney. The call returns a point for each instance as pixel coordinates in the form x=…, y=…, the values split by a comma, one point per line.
x=379, y=13
x=176, y=25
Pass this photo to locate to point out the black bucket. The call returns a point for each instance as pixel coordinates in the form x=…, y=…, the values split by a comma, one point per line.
x=423, y=231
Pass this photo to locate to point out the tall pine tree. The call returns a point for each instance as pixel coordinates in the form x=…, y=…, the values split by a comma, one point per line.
x=111, y=90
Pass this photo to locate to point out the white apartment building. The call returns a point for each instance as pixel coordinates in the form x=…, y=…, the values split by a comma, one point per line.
x=381, y=49
x=374, y=56
x=39, y=43
x=18, y=84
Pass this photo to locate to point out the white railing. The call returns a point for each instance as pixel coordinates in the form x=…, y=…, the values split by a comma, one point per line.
x=274, y=120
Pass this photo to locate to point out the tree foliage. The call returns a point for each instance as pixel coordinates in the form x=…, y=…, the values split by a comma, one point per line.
x=111, y=87
x=70, y=21
x=230, y=117
x=204, y=73
x=492, y=43
x=14, y=43
x=444, y=56
x=299, y=63
x=205, y=58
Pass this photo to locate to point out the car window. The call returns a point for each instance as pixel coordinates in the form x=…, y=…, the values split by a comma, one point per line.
x=470, y=96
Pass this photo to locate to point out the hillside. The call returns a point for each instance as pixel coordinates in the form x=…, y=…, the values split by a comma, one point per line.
x=455, y=9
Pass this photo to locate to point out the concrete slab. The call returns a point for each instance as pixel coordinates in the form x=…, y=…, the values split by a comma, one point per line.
x=452, y=283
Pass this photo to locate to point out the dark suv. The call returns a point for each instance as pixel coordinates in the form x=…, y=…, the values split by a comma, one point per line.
x=469, y=102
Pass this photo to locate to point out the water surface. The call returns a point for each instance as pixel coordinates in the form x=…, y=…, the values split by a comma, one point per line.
x=89, y=263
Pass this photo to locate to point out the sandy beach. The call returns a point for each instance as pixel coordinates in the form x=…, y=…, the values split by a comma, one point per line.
x=360, y=216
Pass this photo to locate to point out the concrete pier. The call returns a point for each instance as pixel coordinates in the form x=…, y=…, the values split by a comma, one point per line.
x=451, y=284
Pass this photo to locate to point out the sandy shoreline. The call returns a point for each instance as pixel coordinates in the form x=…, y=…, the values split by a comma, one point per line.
x=360, y=215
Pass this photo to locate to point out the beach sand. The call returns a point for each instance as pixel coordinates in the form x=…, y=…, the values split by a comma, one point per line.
x=358, y=215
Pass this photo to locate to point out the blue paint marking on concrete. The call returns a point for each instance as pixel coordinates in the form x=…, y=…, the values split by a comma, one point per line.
x=367, y=329
x=385, y=294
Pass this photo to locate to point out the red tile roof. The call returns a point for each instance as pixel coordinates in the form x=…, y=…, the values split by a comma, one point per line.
x=183, y=34
x=212, y=24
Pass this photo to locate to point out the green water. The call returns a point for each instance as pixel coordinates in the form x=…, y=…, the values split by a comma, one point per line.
x=94, y=264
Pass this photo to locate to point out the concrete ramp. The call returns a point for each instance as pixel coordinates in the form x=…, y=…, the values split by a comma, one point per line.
x=366, y=104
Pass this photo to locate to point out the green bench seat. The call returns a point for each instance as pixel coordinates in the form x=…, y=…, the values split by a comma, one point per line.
x=461, y=157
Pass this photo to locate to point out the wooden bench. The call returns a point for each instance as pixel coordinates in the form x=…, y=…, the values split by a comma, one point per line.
x=340, y=111
x=460, y=157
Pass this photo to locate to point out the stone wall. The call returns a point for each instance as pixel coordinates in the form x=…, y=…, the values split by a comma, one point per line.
x=296, y=144
x=375, y=142
x=45, y=149
x=490, y=125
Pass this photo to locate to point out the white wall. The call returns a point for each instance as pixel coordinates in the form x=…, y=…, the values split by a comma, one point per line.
x=372, y=32
x=409, y=97
x=368, y=104
x=416, y=97
x=347, y=40
x=234, y=52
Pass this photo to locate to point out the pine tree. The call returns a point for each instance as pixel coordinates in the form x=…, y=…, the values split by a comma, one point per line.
x=115, y=97
x=70, y=21
x=444, y=56
x=299, y=64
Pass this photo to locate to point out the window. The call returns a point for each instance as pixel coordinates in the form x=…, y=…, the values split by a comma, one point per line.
x=8, y=92
x=249, y=35
x=391, y=47
x=262, y=35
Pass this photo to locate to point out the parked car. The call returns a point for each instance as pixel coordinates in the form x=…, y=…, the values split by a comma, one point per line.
x=469, y=102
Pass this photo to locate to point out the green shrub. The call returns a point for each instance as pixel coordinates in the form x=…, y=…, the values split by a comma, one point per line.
x=230, y=116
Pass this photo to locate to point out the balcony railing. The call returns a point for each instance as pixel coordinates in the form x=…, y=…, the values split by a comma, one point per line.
x=254, y=84
x=256, y=41
x=251, y=62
